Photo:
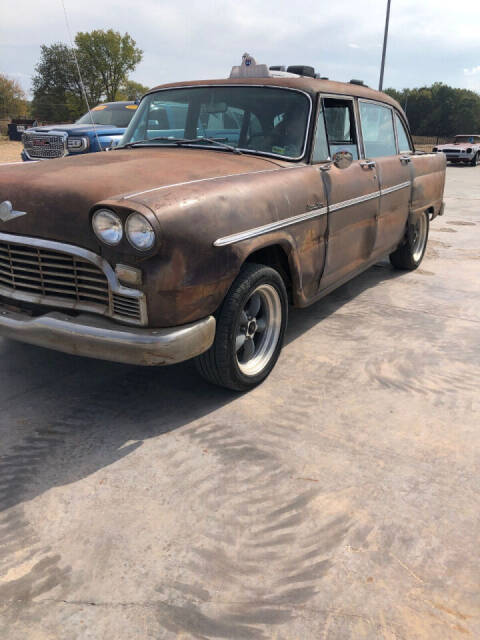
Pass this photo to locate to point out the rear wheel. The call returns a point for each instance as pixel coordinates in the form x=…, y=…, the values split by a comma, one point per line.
x=410, y=253
x=250, y=329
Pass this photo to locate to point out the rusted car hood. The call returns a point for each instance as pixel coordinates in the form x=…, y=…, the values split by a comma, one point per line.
x=58, y=195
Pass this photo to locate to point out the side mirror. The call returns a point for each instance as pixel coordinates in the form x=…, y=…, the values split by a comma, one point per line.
x=342, y=159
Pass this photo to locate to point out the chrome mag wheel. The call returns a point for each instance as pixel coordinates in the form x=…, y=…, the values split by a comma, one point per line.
x=419, y=237
x=258, y=330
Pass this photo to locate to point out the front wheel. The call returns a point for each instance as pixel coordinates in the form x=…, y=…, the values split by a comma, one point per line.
x=474, y=160
x=250, y=329
x=410, y=253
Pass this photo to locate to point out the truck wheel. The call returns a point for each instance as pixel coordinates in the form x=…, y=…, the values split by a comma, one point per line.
x=474, y=160
x=250, y=329
x=410, y=253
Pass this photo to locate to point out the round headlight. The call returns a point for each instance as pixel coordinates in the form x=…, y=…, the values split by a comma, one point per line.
x=140, y=232
x=107, y=226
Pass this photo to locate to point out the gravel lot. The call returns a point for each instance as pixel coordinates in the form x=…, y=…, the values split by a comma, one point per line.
x=9, y=150
x=339, y=500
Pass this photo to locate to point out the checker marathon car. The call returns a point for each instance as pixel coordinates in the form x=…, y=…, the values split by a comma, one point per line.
x=225, y=202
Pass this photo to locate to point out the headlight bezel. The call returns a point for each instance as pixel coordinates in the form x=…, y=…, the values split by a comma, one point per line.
x=114, y=217
x=83, y=146
x=136, y=215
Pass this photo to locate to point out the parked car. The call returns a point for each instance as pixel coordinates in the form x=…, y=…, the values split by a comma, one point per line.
x=58, y=140
x=464, y=148
x=190, y=240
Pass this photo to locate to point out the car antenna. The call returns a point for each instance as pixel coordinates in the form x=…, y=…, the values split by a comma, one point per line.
x=80, y=75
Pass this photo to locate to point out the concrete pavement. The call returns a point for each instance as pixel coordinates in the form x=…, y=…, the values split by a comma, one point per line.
x=340, y=499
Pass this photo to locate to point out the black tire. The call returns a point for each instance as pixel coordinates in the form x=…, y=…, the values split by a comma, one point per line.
x=221, y=364
x=474, y=160
x=410, y=253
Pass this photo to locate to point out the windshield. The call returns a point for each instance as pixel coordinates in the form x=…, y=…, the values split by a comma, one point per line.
x=114, y=115
x=263, y=120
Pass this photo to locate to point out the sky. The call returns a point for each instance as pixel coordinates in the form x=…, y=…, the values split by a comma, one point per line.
x=429, y=40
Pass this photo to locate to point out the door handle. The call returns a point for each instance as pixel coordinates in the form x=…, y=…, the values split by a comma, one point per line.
x=405, y=159
x=368, y=164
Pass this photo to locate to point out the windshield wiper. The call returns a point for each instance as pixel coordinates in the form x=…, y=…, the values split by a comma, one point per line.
x=216, y=141
x=181, y=141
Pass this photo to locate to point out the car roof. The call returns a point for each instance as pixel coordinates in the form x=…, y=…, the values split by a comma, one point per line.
x=301, y=83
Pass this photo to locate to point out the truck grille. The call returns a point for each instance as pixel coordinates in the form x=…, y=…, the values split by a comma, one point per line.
x=46, y=276
x=41, y=145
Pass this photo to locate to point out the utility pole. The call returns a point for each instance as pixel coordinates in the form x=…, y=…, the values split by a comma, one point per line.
x=387, y=20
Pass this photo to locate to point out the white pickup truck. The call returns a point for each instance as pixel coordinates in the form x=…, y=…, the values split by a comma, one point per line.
x=464, y=148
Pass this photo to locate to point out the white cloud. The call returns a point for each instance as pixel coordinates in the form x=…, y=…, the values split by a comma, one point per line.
x=471, y=72
x=194, y=39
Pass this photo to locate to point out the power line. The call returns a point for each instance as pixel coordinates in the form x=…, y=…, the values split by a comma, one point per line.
x=79, y=73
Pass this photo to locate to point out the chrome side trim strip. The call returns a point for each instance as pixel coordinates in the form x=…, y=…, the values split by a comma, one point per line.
x=397, y=187
x=229, y=175
x=272, y=226
x=315, y=213
x=352, y=201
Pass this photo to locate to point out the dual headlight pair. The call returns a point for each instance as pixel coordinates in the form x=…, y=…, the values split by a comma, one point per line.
x=109, y=228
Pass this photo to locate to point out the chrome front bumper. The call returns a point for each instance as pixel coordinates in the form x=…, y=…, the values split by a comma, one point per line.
x=97, y=337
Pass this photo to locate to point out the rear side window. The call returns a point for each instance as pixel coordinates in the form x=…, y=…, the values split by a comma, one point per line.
x=377, y=130
x=402, y=137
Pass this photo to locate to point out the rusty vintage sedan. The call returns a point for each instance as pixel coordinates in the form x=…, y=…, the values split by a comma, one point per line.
x=225, y=201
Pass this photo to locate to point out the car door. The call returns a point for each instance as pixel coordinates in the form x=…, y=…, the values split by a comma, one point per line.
x=352, y=192
x=393, y=169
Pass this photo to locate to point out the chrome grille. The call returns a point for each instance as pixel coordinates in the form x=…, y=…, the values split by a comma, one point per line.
x=64, y=276
x=41, y=145
x=52, y=274
x=125, y=307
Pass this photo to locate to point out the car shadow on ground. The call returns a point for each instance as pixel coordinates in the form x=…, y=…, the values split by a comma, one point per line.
x=77, y=415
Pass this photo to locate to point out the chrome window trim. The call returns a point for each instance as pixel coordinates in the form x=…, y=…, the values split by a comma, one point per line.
x=338, y=96
x=315, y=213
x=392, y=111
x=395, y=116
x=61, y=134
x=114, y=285
x=250, y=151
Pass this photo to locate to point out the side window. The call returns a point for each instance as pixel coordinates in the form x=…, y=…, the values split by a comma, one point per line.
x=320, y=143
x=377, y=130
x=340, y=126
x=402, y=137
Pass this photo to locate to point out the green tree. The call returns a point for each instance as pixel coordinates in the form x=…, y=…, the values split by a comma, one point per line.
x=57, y=90
x=131, y=90
x=440, y=110
x=12, y=98
x=104, y=58
x=111, y=55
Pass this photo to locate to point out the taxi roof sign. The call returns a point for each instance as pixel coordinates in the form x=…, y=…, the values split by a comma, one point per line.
x=249, y=68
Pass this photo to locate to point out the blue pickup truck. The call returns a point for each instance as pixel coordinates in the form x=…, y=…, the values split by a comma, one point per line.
x=58, y=140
